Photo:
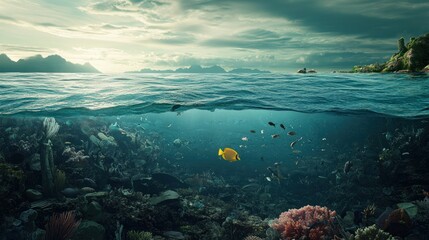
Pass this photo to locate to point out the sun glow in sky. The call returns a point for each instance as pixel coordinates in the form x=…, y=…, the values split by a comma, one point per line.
x=275, y=35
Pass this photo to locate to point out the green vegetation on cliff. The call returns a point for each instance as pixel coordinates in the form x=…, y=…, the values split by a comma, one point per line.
x=414, y=57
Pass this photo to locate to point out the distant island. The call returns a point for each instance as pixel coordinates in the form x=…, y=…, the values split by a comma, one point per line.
x=413, y=57
x=200, y=69
x=37, y=63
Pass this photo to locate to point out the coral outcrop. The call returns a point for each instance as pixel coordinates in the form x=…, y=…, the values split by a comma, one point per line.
x=309, y=222
x=371, y=233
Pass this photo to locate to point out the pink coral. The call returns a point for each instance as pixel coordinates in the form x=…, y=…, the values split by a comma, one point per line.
x=309, y=222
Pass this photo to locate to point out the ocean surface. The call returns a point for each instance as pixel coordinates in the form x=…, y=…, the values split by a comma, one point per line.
x=400, y=95
x=355, y=143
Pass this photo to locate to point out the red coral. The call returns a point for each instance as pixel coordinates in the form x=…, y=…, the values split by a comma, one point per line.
x=309, y=222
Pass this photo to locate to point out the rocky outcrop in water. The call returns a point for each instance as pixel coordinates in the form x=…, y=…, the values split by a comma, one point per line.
x=413, y=57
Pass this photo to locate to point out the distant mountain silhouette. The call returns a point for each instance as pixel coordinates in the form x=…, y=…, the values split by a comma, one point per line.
x=199, y=69
x=37, y=63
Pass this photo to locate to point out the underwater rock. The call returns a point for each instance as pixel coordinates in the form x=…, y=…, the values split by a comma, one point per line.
x=42, y=204
x=398, y=223
x=70, y=192
x=348, y=220
x=409, y=207
x=168, y=180
x=88, y=182
x=33, y=194
x=35, y=162
x=173, y=235
x=164, y=197
x=95, y=140
x=94, y=211
x=96, y=195
x=89, y=230
x=145, y=185
x=87, y=190
x=28, y=217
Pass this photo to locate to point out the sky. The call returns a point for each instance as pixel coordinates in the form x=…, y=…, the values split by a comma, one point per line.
x=277, y=35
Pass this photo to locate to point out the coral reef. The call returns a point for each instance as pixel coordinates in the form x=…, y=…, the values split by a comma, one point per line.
x=371, y=233
x=309, y=222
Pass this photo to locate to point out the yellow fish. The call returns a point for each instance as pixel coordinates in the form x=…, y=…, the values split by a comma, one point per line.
x=229, y=154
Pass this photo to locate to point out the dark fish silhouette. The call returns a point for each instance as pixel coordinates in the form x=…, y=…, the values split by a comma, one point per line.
x=175, y=107
x=271, y=124
x=291, y=133
x=282, y=126
x=252, y=131
x=347, y=166
x=275, y=135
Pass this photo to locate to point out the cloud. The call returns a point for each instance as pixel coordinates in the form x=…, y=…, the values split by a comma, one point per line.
x=360, y=17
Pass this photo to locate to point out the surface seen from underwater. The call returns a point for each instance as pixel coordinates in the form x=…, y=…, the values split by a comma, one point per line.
x=391, y=94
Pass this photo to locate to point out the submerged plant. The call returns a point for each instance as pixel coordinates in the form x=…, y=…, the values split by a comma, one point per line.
x=61, y=226
x=59, y=180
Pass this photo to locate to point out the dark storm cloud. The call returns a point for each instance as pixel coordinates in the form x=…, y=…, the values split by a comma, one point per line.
x=339, y=18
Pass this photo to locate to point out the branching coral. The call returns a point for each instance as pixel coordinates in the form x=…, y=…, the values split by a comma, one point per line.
x=371, y=233
x=74, y=156
x=309, y=222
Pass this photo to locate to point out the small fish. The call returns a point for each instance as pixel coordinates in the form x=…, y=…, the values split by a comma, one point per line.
x=229, y=154
x=294, y=142
x=323, y=139
x=295, y=151
x=282, y=126
x=347, y=167
x=262, y=131
x=252, y=131
x=244, y=139
x=271, y=124
x=175, y=107
x=67, y=143
x=262, y=159
x=268, y=179
x=169, y=125
x=291, y=133
x=322, y=177
x=275, y=135
x=405, y=153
